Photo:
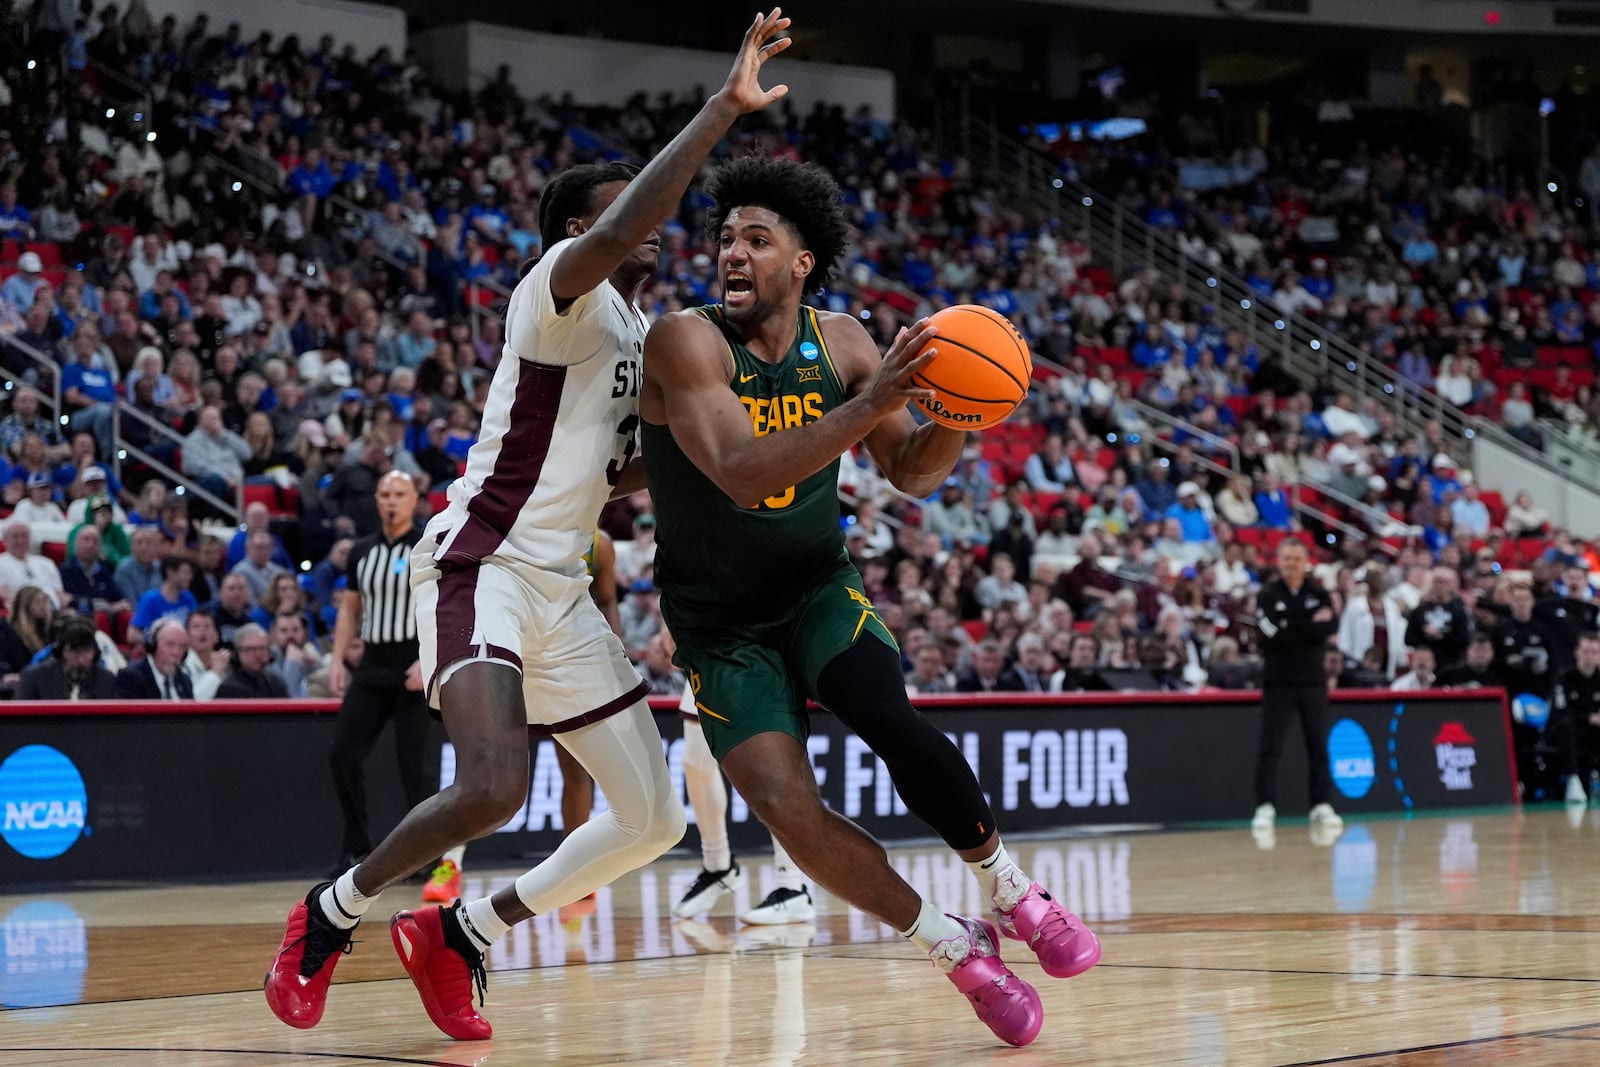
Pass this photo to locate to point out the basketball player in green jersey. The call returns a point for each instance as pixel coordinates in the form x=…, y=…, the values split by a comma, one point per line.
x=747, y=407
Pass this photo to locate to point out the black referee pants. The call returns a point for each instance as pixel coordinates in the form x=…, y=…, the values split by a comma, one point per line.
x=377, y=695
x=1280, y=706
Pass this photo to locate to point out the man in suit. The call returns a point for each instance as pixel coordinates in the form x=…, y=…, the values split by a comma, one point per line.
x=160, y=674
x=989, y=673
x=1030, y=668
x=72, y=671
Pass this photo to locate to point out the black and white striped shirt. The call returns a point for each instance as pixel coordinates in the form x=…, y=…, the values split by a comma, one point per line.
x=380, y=570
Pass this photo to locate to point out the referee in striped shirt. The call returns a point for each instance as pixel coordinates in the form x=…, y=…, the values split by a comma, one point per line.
x=387, y=686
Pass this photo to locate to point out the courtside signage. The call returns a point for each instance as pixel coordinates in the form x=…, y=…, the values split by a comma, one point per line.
x=43, y=802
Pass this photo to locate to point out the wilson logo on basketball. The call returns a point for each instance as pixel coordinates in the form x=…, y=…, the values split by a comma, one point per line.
x=1457, y=753
x=936, y=407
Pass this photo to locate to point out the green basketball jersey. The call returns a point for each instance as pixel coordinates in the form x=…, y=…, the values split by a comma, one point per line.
x=718, y=563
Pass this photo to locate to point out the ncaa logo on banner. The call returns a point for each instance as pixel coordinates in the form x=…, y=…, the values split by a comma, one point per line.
x=43, y=802
x=1350, y=758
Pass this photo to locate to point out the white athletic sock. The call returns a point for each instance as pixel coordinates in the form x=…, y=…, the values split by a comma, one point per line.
x=708, y=796
x=1002, y=880
x=343, y=903
x=934, y=929
x=785, y=873
x=455, y=856
x=482, y=923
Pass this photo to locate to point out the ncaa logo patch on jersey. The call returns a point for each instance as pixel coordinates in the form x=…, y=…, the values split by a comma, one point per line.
x=808, y=350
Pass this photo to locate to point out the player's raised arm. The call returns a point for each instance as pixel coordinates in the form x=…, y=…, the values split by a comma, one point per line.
x=686, y=365
x=915, y=459
x=655, y=193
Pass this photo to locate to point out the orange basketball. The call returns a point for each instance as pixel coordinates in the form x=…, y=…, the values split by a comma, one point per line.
x=981, y=372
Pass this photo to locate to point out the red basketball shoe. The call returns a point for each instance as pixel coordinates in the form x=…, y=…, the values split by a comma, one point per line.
x=445, y=967
x=297, y=983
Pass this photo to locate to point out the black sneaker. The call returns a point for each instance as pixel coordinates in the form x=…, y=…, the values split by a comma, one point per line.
x=707, y=889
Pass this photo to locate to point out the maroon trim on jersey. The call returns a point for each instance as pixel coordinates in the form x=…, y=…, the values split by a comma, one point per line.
x=455, y=617
x=493, y=509
x=604, y=711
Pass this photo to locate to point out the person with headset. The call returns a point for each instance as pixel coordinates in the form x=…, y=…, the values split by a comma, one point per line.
x=160, y=674
x=72, y=671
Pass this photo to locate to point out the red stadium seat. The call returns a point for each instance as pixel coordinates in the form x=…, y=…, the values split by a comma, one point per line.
x=49, y=254
x=279, y=502
x=1496, y=505
x=54, y=551
x=977, y=629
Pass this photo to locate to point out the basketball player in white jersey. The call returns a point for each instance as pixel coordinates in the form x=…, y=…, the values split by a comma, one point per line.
x=720, y=874
x=509, y=637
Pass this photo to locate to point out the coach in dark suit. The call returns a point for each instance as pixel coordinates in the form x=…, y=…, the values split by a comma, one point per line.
x=160, y=674
x=72, y=671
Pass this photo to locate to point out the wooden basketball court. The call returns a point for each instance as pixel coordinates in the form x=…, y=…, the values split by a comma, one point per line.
x=1442, y=940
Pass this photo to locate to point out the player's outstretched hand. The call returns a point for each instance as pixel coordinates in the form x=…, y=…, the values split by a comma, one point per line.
x=761, y=42
x=892, y=387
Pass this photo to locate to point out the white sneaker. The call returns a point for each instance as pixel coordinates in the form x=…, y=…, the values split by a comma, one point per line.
x=1324, y=816
x=782, y=906
x=1266, y=815
x=1575, y=793
x=707, y=889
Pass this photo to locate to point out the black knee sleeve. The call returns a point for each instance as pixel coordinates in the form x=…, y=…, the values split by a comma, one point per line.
x=863, y=688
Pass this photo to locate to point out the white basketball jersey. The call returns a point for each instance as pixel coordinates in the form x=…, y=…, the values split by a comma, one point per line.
x=559, y=425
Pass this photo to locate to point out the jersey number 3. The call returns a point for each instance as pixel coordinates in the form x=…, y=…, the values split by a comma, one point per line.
x=779, y=502
x=630, y=442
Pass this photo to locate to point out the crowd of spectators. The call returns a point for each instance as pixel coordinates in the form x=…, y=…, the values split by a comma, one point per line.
x=301, y=333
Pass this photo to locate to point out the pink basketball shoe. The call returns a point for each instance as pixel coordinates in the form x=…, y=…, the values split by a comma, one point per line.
x=1064, y=945
x=1007, y=1005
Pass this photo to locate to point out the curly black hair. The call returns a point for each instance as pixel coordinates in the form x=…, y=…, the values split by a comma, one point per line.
x=802, y=194
x=571, y=196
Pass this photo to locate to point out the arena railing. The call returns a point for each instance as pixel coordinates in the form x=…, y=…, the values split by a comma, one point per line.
x=1127, y=244
x=45, y=363
x=181, y=482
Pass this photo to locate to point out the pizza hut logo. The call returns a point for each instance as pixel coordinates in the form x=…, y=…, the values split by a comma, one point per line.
x=1457, y=753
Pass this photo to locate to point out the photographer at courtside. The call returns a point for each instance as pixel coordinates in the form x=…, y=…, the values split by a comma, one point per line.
x=1296, y=618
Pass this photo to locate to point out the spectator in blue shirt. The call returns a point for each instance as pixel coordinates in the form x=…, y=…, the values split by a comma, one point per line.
x=88, y=394
x=1317, y=283
x=312, y=178
x=417, y=343
x=257, y=519
x=1153, y=350
x=1471, y=515
x=169, y=600
x=16, y=221
x=22, y=288
x=1190, y=515
x=1154, y=489
x=488, y=218
x=1443, y=481
x=1272, y=503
